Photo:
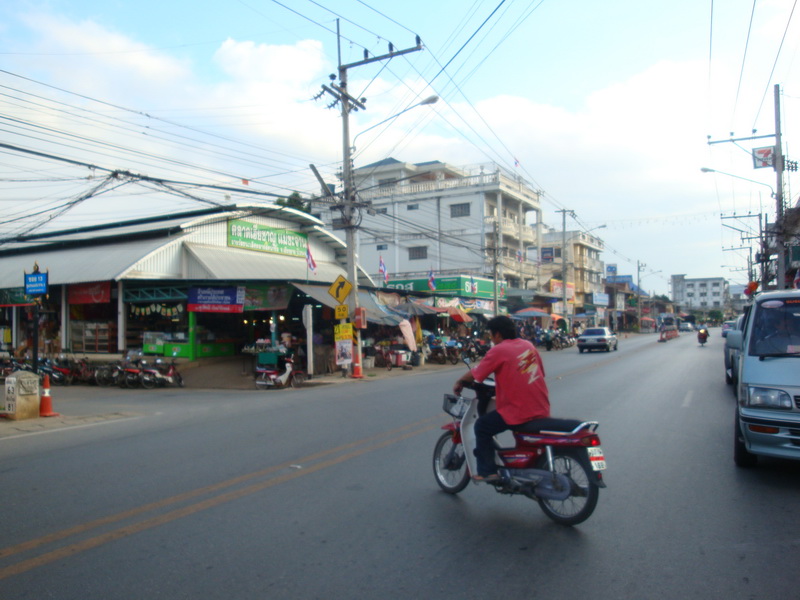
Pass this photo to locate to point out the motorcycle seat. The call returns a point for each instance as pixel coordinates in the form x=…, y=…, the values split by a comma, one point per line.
x=547, y=424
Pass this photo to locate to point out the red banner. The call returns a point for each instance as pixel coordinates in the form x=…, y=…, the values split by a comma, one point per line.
x=89, y=293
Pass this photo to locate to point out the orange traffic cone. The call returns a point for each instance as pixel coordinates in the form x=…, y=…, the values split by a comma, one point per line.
x=45, y=402
x=357, y=374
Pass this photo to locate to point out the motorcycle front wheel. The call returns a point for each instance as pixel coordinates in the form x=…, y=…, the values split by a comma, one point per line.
x=298, y=379
x=454, y=357
x=450, y=464
x=582, y=500
x=441, y=358
x=149, y=381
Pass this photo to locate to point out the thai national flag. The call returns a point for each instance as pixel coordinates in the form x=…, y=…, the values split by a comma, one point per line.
x=797, y=279
x=473, y=287
x=382, y=270
x=310, y=260
x=431, y=281
x=519, y=255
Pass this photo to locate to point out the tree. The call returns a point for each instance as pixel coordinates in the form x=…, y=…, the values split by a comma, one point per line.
x=295, y=201
x=715, y=315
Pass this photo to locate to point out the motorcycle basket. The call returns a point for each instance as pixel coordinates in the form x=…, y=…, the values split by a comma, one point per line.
x=455, y=406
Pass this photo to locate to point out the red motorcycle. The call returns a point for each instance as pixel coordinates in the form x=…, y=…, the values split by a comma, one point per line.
x=557, y=462
x=702, y=337
x=271, y=376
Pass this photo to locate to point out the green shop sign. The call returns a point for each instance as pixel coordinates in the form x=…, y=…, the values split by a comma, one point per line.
x=253, y=236
x=473, y=287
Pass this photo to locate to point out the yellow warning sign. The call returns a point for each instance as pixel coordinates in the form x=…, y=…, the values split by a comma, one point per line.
x=342, y=311
x=340, y=289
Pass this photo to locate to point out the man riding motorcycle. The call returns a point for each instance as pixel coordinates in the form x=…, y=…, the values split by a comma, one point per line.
x=521, y=391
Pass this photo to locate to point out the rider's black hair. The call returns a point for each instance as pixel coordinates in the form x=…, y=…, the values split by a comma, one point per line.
x=504, y=326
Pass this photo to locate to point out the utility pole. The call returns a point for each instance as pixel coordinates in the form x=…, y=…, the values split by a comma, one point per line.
x=778, y=164
x=495, y=270
x=564, y=261
x=349, y=209
x=639, y=267
x=780, y=276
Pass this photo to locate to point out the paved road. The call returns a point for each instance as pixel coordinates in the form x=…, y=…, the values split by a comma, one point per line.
x=328, y=493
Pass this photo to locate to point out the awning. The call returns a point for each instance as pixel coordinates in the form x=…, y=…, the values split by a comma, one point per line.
x=375, y=314
x=79, y=265
x=234, y=264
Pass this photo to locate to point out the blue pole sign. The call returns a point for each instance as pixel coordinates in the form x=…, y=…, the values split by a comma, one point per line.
x=35, y=284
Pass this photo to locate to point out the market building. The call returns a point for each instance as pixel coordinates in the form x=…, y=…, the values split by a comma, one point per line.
x=194, y=284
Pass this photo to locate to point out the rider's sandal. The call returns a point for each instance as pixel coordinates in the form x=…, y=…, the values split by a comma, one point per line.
x=493, y=478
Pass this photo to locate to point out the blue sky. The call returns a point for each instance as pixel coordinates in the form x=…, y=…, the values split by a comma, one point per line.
x=606, y=106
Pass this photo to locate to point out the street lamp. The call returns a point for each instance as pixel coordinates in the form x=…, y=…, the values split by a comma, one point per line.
x=707, y=170
x=429, y=100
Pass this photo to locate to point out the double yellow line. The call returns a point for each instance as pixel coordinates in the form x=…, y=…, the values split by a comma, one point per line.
x=310, y=464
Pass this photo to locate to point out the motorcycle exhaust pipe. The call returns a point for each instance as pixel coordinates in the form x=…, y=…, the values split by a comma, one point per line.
x=541, y=483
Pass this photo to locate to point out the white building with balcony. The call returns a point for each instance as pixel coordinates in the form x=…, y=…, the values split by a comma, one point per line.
x=700, y=294
x=450, y=220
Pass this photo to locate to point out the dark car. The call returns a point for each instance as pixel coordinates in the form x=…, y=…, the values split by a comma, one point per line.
x=597, y=338
x=727, y=325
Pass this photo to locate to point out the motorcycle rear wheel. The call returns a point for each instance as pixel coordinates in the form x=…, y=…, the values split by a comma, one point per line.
x=441, y=358
x=581, y=503
x=453, y=477
x=454, y=357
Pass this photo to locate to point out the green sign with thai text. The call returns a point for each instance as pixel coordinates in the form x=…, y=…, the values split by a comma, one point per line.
x=254, y=236
x=474, y=287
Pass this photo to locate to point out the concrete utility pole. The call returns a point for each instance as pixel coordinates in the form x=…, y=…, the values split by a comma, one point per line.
x=780, y=276
x=349, y=208
x=564, y=212
x=778, y=164
x=639, y=267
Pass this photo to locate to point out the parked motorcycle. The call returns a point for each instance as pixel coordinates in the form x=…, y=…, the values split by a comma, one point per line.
x=557, y=462
x=167, y=373
x=271, y=376
x=437, y=349
x=453, y=351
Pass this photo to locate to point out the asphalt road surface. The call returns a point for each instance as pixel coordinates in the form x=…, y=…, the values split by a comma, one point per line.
x=328, y=492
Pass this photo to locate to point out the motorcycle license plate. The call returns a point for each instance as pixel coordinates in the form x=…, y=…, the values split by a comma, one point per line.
x=596, y=458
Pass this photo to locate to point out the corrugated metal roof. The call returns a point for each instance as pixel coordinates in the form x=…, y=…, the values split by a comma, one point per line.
x=232, y=264
x=375, y=313
x=79, y=265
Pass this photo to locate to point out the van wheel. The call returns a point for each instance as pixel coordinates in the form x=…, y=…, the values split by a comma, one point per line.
x=741, y=456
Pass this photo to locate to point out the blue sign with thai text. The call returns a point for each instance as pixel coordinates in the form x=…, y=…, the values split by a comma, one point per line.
x=35, y=284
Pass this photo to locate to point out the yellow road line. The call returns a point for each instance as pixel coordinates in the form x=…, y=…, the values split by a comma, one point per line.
x=26, y=565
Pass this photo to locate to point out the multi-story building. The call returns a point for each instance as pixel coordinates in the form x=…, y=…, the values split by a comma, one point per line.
x=418, y=218
x=577, y=252
x=700, y=294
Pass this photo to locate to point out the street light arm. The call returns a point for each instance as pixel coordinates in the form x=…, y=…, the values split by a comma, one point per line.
x=428, y=100
x=707, y=170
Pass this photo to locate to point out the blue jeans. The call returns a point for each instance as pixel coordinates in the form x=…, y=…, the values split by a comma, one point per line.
x=486, y=427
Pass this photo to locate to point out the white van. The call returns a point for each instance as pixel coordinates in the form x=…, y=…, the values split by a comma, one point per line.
x=768, y=379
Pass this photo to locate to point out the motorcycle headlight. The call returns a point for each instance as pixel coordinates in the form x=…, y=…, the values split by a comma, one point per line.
x=759, y=397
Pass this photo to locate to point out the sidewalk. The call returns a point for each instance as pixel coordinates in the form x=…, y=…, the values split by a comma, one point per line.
x=222, y=374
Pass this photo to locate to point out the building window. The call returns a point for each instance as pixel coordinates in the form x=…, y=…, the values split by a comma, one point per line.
x=413, y=207
x=418, y=253
x=689, y=285
x=382, y=247
x=387, y=182
x=381, y=211
x=459, y=210
x=689, y=294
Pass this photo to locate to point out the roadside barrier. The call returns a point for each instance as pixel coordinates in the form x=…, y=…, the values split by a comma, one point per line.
x=45, y=402
x=668, y=334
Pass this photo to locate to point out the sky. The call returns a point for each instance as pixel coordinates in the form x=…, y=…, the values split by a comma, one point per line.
x=607, y=108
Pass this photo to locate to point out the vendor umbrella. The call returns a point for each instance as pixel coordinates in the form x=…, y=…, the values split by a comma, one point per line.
x=455, y=313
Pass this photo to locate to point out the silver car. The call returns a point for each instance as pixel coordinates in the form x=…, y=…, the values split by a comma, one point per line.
x=597, y=338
